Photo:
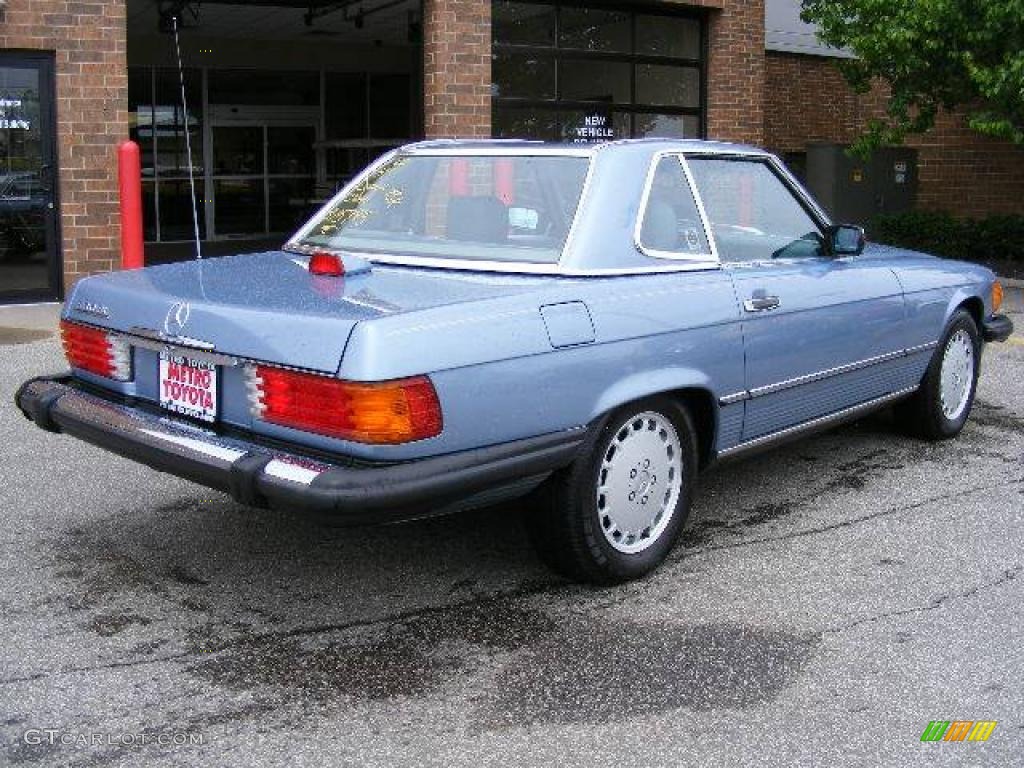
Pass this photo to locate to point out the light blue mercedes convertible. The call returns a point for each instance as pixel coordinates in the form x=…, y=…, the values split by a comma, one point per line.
x=468, y=322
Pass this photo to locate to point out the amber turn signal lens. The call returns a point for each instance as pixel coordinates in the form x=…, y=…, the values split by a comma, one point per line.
x=997, y=296
x=381, y=413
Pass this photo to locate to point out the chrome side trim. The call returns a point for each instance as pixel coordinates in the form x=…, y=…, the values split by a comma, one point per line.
x=826, y=374
x=921, y=348
x=736, y=397
x=809, y=378
x=822, y=422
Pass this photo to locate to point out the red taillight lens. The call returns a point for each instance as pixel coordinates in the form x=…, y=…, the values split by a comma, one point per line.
x=387, y=412
x=96, y=351
x=324, y=263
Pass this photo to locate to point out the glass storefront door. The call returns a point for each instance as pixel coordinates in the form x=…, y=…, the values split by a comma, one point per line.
x=29, y=254
x=263, y=178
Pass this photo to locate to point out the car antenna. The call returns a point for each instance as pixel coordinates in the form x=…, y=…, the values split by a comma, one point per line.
x=188, y=139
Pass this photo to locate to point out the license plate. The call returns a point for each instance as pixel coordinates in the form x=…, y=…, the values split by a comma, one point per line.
x=188, y=386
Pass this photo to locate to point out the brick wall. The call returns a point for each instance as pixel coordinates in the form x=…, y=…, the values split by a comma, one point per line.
x=457, y=68
x=960, y=171
x=736, y=72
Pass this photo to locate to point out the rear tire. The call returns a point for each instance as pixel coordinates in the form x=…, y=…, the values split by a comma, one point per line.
x=614, y=514
x=940, y=407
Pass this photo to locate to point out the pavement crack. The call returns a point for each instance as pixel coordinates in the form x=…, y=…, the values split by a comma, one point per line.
x=1005, y=577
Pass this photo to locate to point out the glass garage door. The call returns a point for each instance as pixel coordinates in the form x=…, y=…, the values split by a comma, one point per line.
x=578, y=72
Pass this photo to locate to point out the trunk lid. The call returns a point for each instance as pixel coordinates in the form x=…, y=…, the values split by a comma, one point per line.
x=266, y=306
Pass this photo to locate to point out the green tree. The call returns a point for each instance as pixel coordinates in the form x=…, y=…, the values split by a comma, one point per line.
x=933, y=54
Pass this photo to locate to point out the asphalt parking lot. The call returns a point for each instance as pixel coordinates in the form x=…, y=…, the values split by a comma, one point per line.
x=828, y=600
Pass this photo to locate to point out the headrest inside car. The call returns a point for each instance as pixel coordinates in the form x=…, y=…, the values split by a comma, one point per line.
x=480, y=219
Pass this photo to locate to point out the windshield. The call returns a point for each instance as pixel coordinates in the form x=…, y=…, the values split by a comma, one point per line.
x=474, y=208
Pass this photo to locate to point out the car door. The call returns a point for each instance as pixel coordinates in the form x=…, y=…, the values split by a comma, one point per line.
x=820, y=333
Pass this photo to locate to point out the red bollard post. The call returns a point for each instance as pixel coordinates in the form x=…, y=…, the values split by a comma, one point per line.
x=129, y=179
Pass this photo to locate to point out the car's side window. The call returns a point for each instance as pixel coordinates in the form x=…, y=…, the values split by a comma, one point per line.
x=754, y=216
x=671, y=225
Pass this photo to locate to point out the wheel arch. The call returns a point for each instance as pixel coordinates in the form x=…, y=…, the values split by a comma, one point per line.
x=975, y=306
x=688, y=388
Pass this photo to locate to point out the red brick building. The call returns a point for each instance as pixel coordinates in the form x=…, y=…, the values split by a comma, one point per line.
x=286, y=99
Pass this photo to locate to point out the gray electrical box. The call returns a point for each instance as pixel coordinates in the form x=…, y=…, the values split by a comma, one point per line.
x=854, y=191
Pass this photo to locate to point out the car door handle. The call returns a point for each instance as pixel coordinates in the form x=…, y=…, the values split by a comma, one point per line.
x=761, y=303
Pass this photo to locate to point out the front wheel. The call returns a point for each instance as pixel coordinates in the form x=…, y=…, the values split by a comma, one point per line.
x=614, y=514
x=939, y=409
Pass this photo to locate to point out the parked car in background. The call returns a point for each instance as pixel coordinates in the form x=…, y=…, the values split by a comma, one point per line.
x=475, y=321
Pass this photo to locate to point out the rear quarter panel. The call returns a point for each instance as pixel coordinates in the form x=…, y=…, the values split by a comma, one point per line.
x=500, y=379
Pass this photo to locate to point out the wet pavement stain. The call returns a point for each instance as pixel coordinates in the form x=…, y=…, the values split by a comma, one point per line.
x=988, y=415
x=627, y=670
x=109, y=624
x=407, y=657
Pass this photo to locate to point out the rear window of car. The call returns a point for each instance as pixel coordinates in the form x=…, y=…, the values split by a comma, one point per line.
x=460, y=207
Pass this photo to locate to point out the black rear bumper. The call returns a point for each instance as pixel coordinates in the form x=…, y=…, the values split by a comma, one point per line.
x=997, y=328
x=261, y=475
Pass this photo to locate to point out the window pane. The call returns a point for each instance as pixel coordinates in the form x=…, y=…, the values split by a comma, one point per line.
x=753, y=215
x=345, y=112
x=667, y=126
x=176, y=210
x=260, y=87
x=390, y=107
x=238, y=206
x=290, y=150
x=594, y=81
x=668, y=36
x=671, y=222
x=169, y=122
x=484, y=208
x=237, y=150
x=523, y=23
x=517, y=74
x=517, y=123
x=140, y=115
x=671, y=86
x=589, y=29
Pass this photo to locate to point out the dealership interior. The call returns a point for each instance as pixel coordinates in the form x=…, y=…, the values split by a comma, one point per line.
x=285, y=103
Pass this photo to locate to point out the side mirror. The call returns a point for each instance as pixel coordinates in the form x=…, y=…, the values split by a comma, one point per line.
x=846, y=240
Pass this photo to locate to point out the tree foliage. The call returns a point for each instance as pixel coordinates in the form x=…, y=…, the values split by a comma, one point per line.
x=933, y=54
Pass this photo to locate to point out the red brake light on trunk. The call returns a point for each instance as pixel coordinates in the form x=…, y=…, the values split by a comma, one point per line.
x=96, y=351
x=382, y=413
x=324, y=263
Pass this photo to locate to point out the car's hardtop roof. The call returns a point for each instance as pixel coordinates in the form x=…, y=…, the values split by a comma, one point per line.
x=524, y=146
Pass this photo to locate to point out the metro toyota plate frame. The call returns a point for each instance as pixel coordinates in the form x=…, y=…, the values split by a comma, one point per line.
x=188, y=386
